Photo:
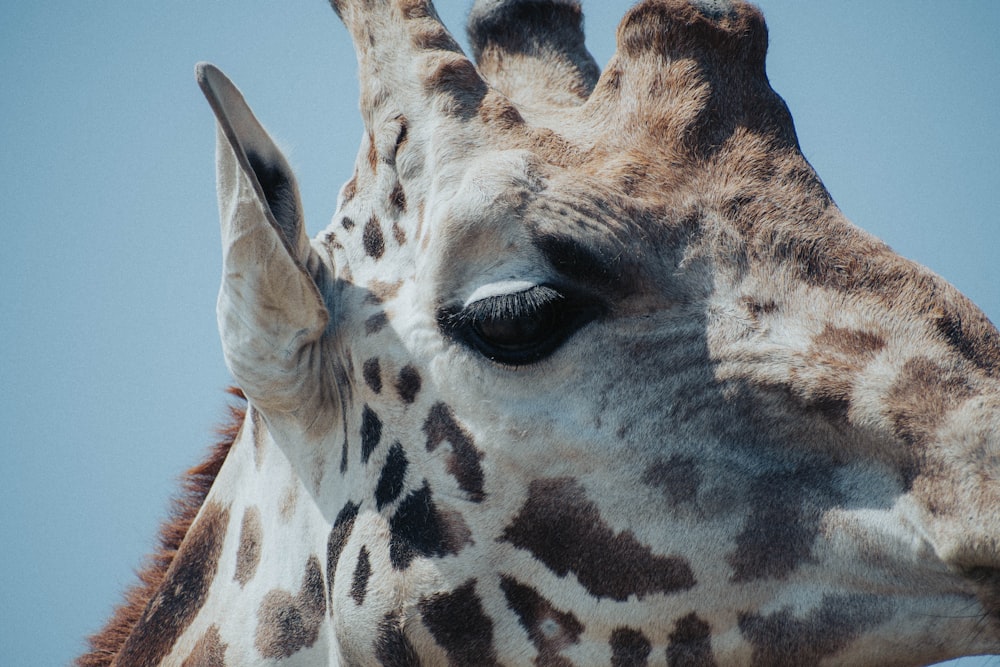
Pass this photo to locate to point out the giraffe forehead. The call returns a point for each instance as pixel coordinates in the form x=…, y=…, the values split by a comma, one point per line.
x=530, y=214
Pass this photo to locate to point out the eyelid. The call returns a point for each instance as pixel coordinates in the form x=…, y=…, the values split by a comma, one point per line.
x=499, y=288
x=508, y=304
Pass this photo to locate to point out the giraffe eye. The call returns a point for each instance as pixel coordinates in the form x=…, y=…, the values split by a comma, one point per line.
x=518, y=328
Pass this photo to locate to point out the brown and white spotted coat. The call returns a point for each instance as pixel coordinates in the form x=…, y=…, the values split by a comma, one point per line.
x=587, y=369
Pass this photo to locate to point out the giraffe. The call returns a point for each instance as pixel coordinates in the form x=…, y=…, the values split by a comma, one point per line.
x=587, y=369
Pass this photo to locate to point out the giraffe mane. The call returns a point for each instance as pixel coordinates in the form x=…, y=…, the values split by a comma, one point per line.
x=105, y=644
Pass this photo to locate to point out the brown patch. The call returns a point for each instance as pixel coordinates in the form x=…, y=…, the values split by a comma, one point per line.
x=183, y=592
x=210, y=651
x=785, y=511
x=923, y=394
x=376, y=323
x=339, y=534
x=258, y=436
x=347, y=223
x=549, y=629
x=460, y=626
x=397, y=198
x=782, y=639
x=392, y=478
x=433, y=37
x=679, y=477
x=419, y=528
x=350, y=189
x=498, y=111
x=372, y=154
x=850, y=343
x=248, y=553
x=371, y=432
x=455, y=78
x=373, y=240
x=398, y=234
x=463, y=460
x=690, y=643
x=408, y=384
x=629, y=648
x=404, y=133
x=414, y=9
x=331, y=243
x=392, y=648
x=372, y=373
x=565, y=531
x=196, y=483
x=379, y=291
x=362, y=571
x=969, y=331
x=287, y=624
x=835, y=358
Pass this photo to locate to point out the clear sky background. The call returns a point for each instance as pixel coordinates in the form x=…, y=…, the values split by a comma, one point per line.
x=112, y=374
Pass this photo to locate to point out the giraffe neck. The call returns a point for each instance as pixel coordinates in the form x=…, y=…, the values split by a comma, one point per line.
x=248, y=583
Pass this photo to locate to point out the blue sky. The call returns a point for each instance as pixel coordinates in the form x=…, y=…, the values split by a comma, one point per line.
x=112, y=371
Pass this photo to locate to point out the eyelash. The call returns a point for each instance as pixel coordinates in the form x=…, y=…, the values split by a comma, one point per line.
x=506, y=306
x=519, y=328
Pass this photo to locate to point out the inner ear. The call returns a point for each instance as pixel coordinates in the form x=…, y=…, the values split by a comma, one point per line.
x=243, y=140
x=279, y=192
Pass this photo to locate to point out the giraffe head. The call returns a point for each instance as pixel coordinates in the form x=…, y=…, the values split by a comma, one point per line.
x=589, y=368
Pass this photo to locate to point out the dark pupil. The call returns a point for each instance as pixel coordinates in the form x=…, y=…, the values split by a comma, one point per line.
x=516, y=331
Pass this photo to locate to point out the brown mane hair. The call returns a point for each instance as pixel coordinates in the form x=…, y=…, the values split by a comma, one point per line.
x=195, y=484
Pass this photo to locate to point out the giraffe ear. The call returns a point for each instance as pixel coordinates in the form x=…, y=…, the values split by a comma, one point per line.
x=269, y=307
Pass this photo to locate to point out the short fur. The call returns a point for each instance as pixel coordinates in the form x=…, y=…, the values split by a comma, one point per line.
x=578, y=382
